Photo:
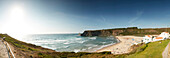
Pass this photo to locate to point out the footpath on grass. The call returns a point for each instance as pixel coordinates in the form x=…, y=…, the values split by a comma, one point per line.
x=3, y=50
x=165, y=52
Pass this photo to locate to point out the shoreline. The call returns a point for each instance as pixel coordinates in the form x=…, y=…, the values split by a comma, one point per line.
x=106, y=47
x=25, y=50
x=94, y=49
x=124, y=45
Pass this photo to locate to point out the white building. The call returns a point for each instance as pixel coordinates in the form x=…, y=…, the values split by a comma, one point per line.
x=158, y=38
x=147, y=38
x=162, y=36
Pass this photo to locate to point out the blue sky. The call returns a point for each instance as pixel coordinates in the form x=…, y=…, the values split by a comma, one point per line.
x=74, y=16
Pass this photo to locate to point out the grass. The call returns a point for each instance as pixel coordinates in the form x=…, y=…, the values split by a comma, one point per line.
x=17, y=43
x=150, y=50
x=25, y=49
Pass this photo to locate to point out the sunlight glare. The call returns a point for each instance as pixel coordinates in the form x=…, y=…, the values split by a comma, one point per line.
x=17, y=22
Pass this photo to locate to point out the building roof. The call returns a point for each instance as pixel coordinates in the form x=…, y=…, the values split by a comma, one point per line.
x=166, y=32
x=159, y=38
x=148, y=36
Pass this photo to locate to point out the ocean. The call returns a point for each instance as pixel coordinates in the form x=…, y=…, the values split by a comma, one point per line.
x=68, y=42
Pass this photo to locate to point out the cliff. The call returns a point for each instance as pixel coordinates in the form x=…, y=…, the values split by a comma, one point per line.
x=125, y=31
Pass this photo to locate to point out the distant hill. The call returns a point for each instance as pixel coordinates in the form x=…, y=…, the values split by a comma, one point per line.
x=125, y=31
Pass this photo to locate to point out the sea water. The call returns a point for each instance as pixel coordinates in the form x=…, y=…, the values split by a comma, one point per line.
x=68, y=42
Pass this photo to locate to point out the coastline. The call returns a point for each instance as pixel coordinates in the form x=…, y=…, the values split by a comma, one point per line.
x=25, y=50
x=124, y=46
x=115, y=48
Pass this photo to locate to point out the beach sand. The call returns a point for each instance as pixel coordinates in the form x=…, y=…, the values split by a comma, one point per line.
x=123, y=46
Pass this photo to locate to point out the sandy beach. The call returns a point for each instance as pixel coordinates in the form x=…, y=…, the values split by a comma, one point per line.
x=123, y=46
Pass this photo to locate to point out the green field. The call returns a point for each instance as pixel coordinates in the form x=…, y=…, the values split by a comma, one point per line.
x=150, y=50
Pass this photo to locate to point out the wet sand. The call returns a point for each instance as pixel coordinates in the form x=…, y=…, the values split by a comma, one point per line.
x=123, y=46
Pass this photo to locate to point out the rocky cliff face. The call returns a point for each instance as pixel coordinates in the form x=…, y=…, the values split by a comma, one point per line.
x=97, y=33
x=124, y=31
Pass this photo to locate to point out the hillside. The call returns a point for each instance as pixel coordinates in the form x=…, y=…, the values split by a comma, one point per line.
x=150, y=50
x=125, y=31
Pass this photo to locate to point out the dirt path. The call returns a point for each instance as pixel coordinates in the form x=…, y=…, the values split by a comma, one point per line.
x=3, y=50
x=165, y=52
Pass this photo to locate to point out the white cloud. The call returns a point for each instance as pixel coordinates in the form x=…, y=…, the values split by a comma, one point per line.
x=104, y=21
x=138, y=15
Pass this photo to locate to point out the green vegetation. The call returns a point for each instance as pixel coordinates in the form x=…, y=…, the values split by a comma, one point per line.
x=150, y=50
x=141, y=32
x=24, y=49
x=17, y=43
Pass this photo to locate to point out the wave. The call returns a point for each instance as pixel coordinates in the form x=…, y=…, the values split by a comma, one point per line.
x=83, y=49
x=76, y=50
x=104, y=46
x=66, y=46
x=81, y=41
x=92, y=38
x=53, y=48
x=70, y=42
x=60, y=40
x=66, y=43
x=91, y=45
x=78, y=38
x=103, y=42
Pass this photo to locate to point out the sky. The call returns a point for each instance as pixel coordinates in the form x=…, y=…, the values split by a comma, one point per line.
x=75, y=16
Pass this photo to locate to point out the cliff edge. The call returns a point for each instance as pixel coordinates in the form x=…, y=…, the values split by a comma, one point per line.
x=125, y=31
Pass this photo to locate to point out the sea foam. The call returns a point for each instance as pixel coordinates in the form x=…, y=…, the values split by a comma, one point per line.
x=69, y=42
